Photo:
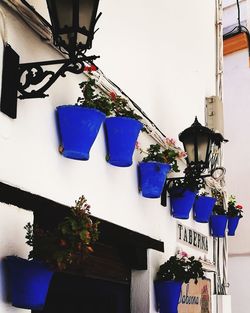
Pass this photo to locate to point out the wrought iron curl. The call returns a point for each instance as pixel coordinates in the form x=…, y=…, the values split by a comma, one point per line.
x=34, y=74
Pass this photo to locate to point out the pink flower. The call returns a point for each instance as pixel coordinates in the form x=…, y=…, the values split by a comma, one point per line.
x=138, y=145
x=184, y=254
x=240, y=207
x=182, y=154
x=170, y=141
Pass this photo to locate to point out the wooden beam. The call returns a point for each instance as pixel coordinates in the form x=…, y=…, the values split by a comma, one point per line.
x=50, y=213
x=235, y=43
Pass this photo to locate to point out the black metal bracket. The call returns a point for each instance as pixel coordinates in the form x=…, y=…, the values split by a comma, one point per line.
x=193, y=178
x=28, y=75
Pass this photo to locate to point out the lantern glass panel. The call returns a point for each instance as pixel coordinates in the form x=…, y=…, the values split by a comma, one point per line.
x=202, y=144
x=81, y=38
x=64, y=9
x=189, y=147
x=86, y=9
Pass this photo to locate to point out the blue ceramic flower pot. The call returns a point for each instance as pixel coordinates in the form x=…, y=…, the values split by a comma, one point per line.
x=29, y=283
x=181, y=203
x=232, y=225
x=218, y=225
x=152, y=176
x=203, y=207
x=167, y=295
x=121, y=136
x=78, y=127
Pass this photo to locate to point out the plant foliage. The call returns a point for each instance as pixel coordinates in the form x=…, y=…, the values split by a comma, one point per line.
x=94, y=100
x=158, y=154
x=192, y=181
x=181, y=268
x=121, y=108
x=110, y=105
x=218, y=208
x=234, y=210
x=67, y=246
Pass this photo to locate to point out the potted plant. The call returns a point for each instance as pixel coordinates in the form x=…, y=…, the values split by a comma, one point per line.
x=234, y=214
x=154, y=168
x=178, y=269
x=79, y=124
x=183, y=191
x=121, y=131
x=203, y=206
x=218, y=220
x=63, y=249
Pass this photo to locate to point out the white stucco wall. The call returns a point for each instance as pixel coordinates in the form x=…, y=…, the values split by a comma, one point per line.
x=163, y=56
x=236, y=158
x=239, y=274
x=236, y=110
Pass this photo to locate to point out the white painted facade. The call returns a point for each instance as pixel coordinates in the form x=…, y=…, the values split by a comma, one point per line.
x=164, y=57
x=236, y=154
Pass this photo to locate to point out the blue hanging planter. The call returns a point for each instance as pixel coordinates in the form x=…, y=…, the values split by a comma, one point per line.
x=167, y=295
x=78, y=127
x=152, y=176
x=29, y=282
x=181, y=201
x=218, y=225
x=232, y=225
x=121, y=136
x=203, y=207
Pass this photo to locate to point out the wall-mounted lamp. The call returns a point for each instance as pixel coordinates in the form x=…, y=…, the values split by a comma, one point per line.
x=73, y=23
x=198, y=142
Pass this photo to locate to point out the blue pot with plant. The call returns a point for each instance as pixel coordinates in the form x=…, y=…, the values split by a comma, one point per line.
x=181, y=201
x=122, y=131
x=203, y=207
x=234, y=215
x=218, y=224
x=178, y=269
x=78, y=125
x=154, y=168
x=218, y=220
x=64, y=248
x=29, y=282
x=182, y=193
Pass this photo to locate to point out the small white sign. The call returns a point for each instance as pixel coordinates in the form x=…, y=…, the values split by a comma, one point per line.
x=192, y=238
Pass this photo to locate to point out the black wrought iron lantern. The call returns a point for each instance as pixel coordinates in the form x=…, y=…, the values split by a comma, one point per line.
x=197, y=141
x=73, y=23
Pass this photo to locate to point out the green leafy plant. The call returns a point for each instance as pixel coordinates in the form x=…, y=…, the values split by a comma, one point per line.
x=157, y=153
x=121, y=108
x=181, y=268
x=234, y=210
x=67, y=246
x=191, y=181
x=218, y=208
x=94, y=100
x=110, y=105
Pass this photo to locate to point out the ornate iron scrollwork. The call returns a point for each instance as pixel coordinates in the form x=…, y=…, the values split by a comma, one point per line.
x=33, y=74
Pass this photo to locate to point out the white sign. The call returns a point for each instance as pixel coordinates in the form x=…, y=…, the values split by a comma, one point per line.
x=192, y=238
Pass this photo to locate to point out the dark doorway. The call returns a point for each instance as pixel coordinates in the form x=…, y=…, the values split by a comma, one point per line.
x=102, y=287
x=74, y=294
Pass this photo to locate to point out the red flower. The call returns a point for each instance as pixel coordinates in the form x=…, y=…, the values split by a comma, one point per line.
x=112, y=95
x=62, y=243
x=91, y=68
x=240, y=207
